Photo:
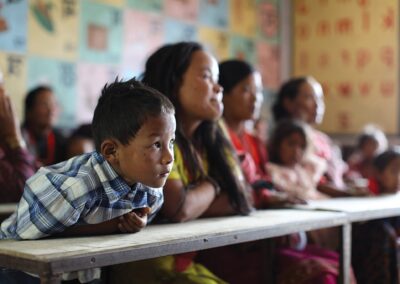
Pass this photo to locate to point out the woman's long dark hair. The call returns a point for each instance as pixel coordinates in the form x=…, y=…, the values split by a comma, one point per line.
x=164, y=71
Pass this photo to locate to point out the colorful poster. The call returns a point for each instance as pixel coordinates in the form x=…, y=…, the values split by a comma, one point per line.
x=242, y=17
x=216, y=42
x=91, y=80
x=214, y=13
x=187, y=10
x=269, y=64
x=148, y=5
x=268, y=20
x=13, y=25
x=242, y=48
x=140, y=43
x=61, y=76
x=13, y=68
x=100, y=33
x=178, y=31
x=352, y=48
x=53, y=23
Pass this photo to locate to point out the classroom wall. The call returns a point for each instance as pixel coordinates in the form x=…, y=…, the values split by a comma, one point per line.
x=77, y=46
x=352, y=48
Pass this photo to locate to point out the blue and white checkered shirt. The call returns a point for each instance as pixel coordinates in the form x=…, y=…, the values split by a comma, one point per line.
x=82, y=190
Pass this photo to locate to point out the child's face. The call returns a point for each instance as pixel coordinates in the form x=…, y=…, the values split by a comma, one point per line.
x=200, y=95
x=149, y=156
x=291, y=149
x=390, y=177
x=369, y=148
x=243, y=102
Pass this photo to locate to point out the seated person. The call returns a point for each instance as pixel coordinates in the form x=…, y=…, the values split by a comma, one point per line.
x=45, y=142
x=374, y=243
x=111, y=190
x=16, y=164
x=80, y=141
x=371, y=142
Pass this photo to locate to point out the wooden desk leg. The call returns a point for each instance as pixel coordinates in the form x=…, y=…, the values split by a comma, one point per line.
x=345, y=254
x=50, y=279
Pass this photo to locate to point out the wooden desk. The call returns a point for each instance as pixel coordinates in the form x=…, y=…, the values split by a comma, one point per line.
x=360, y=208
x=50, y=258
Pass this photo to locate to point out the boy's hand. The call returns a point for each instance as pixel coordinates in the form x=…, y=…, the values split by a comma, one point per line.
x=133, y=221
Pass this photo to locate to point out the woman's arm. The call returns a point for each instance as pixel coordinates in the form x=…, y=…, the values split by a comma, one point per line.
x=181, y=205
x=221, y=206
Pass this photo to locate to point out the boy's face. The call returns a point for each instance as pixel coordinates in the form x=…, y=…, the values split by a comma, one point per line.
x=390, y=177
x=149, y=156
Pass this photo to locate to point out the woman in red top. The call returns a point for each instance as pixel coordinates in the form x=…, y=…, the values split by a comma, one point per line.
x=44, y=141
x=297, y=263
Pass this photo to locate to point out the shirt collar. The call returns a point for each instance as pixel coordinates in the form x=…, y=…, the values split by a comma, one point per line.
x=115, y=187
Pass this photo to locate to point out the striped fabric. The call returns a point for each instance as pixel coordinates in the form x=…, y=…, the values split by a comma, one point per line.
x=82, y=190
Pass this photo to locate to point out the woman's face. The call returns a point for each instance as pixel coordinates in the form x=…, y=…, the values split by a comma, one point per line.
x=43, y=111
x=244, y=101
x=291, y=149
x=200, y=95
x=308, y=106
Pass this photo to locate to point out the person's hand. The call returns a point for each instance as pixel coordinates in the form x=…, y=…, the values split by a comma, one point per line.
x=277, y=199
x=9, y=130
x=359, y=191
x=133, y=221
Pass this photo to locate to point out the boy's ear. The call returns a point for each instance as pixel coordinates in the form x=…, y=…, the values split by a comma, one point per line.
x=109, y=149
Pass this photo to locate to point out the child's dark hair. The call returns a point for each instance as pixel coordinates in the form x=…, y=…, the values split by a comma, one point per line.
x=164, y=71
x=30, y=98
x=289, y=90
x=282, y=130
x=123, y=108
x=384, y=159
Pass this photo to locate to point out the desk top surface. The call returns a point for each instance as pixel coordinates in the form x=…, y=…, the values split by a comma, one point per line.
x=360, y=208
x=70, y=254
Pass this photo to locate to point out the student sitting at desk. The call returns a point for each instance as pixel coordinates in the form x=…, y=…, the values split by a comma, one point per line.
x=205, y=180
x=374, y=246
x=106, y=191
x=16, y=163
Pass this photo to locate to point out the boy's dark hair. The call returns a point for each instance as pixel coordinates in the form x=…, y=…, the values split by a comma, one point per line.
x=164, y=71
x=384, y=159
x=31, y=96
x=123, y=108
x=289, y=90
x=282, y=130
x=231, y=72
